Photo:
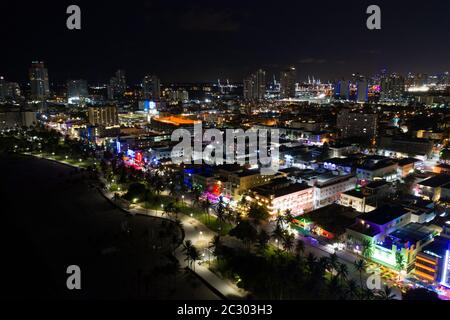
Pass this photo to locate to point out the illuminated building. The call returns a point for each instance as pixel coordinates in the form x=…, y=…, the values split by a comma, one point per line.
x=432, y=264
x=287, y=83
x=329, y=222
x=151, y=88
x=374, y=225
x=356, y=124
x=362, y=91
x=402, y=146
x=14, y=118
x=255, y=86
x=39, y=83
x=77, y=90
x=281, y=195
x=103, y=116
x=431, y=188
x=245, y=180
x=328, y=188
x=171, y=123
x=407, y=241
x=406, y=166
x=392, y=88
x=9, y=90
x=342, y=90
x=117, y=85
x=377, y=168
x=357, y=200
x=364, y=199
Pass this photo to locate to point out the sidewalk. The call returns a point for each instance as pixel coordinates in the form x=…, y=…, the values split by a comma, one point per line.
x=201, y=237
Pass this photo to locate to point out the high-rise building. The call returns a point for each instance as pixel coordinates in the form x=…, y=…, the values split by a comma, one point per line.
x=117, y=85
x=249, y=86
x=392, y=88
x=103, y=116
x=260, y=84
x=77, y=89
x=356, y=124
x=362, y=90
x=255, y=86
x=287, y=83
x=342, y=90
x=2, y=88
x=151, y=87
x=39, y=80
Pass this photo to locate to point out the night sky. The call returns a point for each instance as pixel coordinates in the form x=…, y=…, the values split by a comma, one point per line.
x=188, y=41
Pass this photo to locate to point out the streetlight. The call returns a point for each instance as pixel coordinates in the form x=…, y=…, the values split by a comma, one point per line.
x=182, y=199
x=162, y=208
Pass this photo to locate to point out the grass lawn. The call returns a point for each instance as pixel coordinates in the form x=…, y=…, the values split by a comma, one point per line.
x=211, y=221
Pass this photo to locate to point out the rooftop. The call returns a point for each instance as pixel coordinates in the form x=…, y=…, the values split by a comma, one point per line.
x=411, y=234
x=406, y=161
x=437, y=181
x=384, y=214
x=280, y=187
x=333, y=218
x=377, y=184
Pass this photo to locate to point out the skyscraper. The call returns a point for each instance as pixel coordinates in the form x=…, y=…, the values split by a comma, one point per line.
x=2, y=88
x=117, y=85
x=392, y=87
x=77, y=89
x=39, y=80
x=342, y=90
x=362, y=90
x=287, y=83
x=249, y=84
x=151, y=87
x=255, y=86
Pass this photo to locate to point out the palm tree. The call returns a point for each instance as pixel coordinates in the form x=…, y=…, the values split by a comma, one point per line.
x=360, y=266
x=194, y=255
x=352, y=289
x=191, y=252
x=215, y=244
x=399, y=262
x=187, y=245
x=288, y=242
x=333, y=262
x=342, y=272
x=279, y=220
x=367, y=249
x=288, y=217
x=278, y=234
x=385, y=294
x=221, y=214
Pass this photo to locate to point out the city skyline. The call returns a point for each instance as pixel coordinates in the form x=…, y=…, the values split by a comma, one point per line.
x=168, y=39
